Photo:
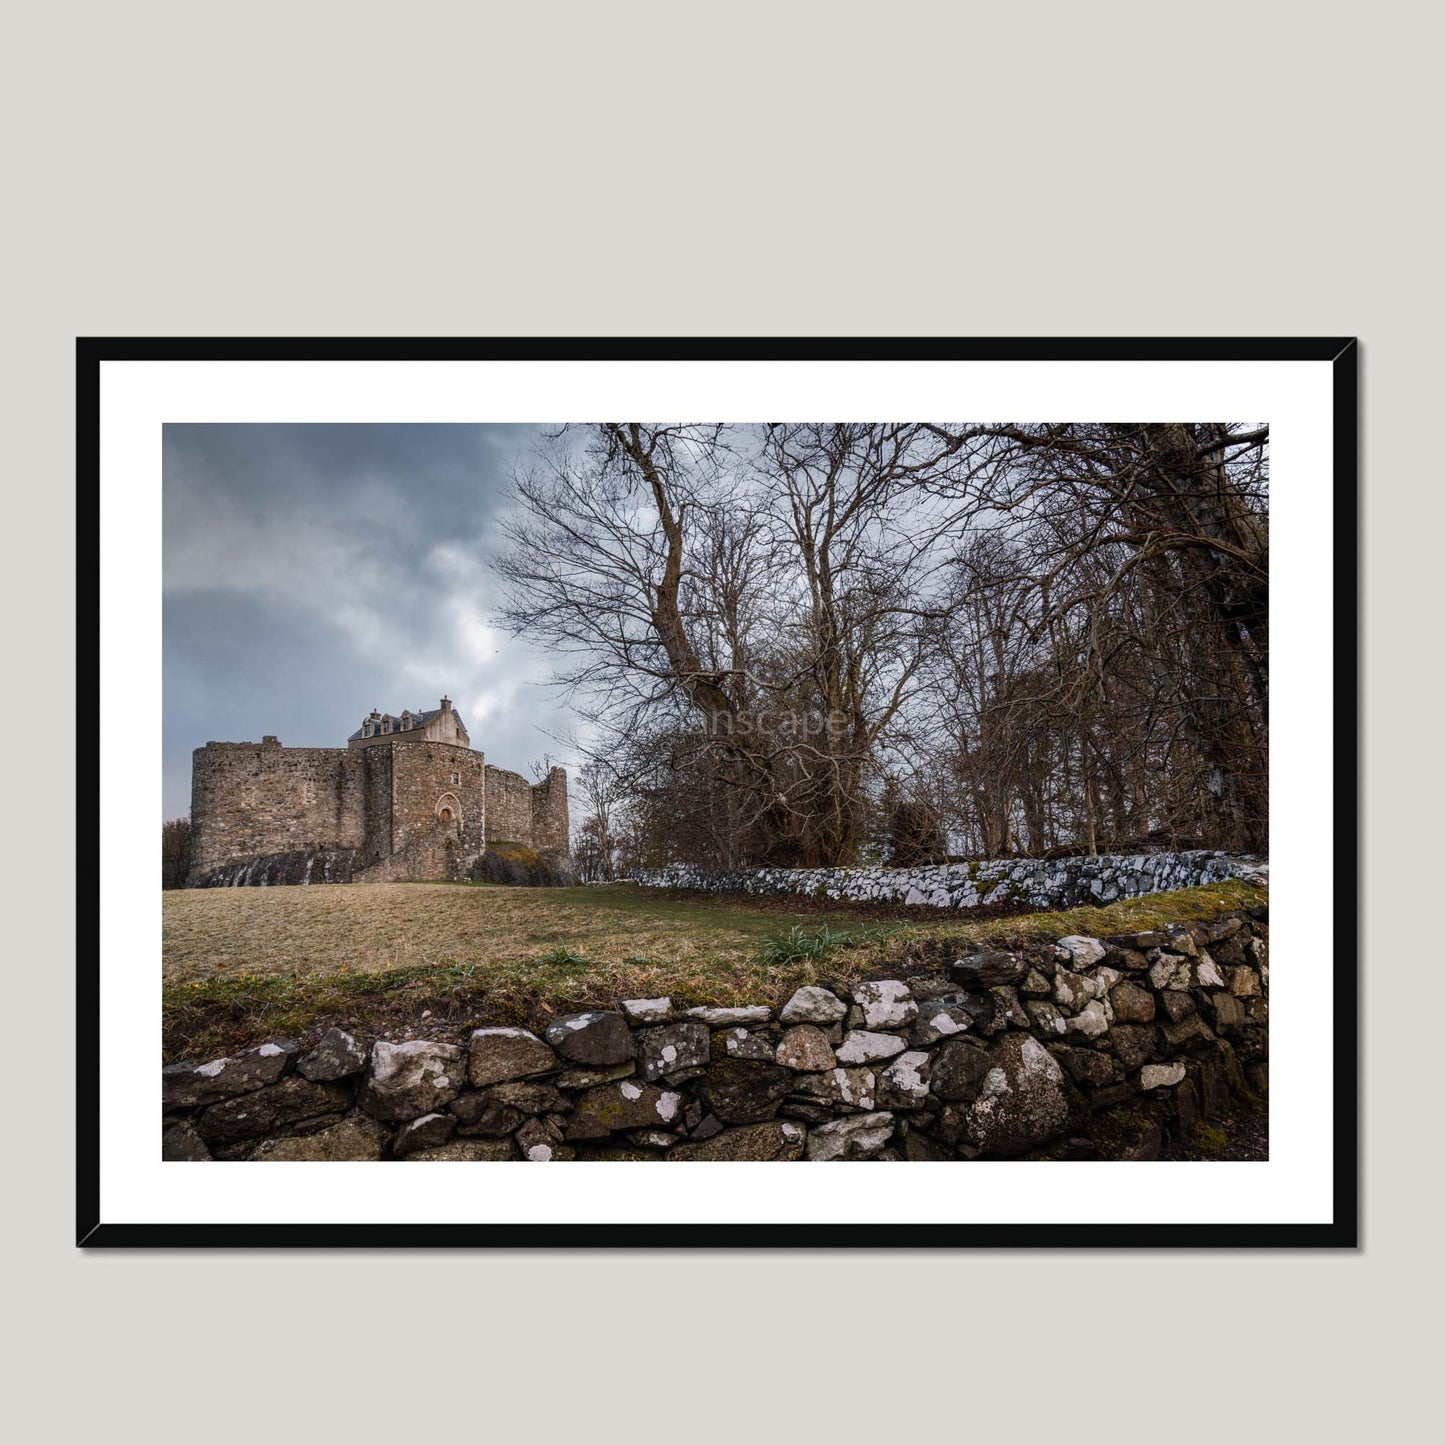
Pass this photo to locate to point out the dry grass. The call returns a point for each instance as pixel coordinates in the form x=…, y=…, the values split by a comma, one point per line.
x=249, y=963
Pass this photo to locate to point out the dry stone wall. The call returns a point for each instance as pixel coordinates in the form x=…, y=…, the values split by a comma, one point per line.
x=1053, y=883
x=1080, y=1048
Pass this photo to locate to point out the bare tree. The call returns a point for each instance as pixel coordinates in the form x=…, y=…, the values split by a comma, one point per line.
x=1050, y=636
x=175, y=852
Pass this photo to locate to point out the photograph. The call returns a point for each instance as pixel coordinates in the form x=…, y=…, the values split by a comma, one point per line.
x=726, y=792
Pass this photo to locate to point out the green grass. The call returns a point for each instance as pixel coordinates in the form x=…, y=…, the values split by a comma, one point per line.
x=244, y=964
x=800, y=943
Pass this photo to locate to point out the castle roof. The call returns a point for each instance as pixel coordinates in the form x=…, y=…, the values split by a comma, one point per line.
x=418, y=720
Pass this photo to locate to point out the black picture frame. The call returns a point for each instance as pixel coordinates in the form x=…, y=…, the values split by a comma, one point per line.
x=1342, y=354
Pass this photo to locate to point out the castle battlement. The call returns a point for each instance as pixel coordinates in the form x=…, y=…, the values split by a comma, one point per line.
x=407, y=798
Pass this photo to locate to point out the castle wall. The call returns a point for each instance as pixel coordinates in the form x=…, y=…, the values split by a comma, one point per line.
x=509, y=807
x=549, y=812
x=281, y=808
x=249, y=799
x=530, y=813
x=422, y=774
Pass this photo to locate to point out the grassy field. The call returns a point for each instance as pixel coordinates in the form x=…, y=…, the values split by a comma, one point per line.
x=244, y=964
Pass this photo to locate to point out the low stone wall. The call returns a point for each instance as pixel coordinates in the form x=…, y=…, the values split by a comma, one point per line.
x=1055, y=883
x=1082, y=1048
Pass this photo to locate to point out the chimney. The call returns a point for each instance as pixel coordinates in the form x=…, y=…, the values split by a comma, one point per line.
x=446, y=704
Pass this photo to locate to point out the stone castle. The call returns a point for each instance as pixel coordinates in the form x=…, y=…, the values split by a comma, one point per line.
x=407, y=798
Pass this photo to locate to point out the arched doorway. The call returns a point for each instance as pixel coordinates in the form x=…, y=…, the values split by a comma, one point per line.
x=448, y=810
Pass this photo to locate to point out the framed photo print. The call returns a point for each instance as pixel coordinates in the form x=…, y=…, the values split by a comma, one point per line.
x=926, y=753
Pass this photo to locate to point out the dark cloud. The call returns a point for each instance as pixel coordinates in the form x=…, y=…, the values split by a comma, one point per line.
x=314, y=572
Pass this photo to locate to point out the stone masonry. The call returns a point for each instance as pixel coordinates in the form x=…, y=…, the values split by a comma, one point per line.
x=407, y=798
x=1072, y=1048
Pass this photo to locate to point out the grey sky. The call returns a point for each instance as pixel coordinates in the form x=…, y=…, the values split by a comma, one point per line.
x=315, y=572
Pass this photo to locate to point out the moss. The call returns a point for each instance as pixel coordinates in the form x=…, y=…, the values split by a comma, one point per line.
x=517, y=865
x=1209, y=1138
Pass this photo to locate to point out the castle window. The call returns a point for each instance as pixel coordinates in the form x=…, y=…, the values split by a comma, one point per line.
x=456, y=777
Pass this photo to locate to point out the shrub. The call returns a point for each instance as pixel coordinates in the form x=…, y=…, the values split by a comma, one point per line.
x=518, y=866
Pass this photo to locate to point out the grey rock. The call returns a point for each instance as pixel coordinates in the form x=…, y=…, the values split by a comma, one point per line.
x=356, y=1138
x=885, y=1005
x=743, y=1044
x=646, y=1010
x=1171, y=971
x=1086, y=1066
x=292, y=1101
x=467, y=1151
x=777, y=1141
x=1008, y=1007
x=923, y=1150
x=188, y=1086
x=593, y=1038
x=1188, y=1035
x=855, y=1088
x=180, y=1144
x=530, y=1097
x=1161, y=1076
x=654, y=1139
x=673, y=1048
x=1223, y=928
x=1182, y=940
x=957, y=1069
x=1244, y=982
x=987, y=969
x=1091, y=1021
x=1072, y=990
x=410, y=1079
x=1035, y=984
x=1132, y=1004
x=861, y=1136
x=1176, y=1004
x=1132, y=1044
x=938, y=1020
x=479, y=1114
x=576, y=1079
x=989, y=1011
x=622, y=1106
x=425, y=1133
x=1047, y=1018
x=1024, y=1100
x=1228, y=1013
x=499, y=1055
x=744, y=1091
x=928, y=990
x=1206, y=972
x=540, y=1142
x=1138, y=942
x=805, y=1047
x=813, y=1005
x=1129, y=959
x=1082, y=950
x=336, y=1056
x=862, y=1047
x=904, y=1083
x=722, y=1018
